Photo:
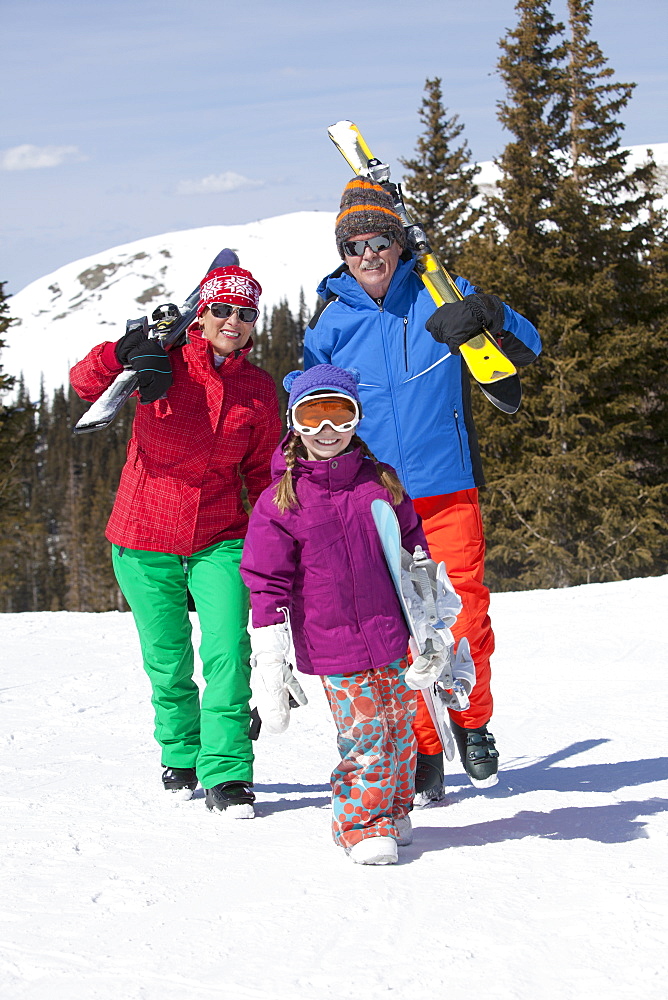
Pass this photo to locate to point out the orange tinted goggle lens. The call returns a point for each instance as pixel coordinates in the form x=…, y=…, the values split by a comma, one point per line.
x=313, y=412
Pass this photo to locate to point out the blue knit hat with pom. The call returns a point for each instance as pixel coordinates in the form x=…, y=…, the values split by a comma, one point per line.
x=300, y=384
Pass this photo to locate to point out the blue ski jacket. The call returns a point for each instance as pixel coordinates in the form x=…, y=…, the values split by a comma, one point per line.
x=415, y=394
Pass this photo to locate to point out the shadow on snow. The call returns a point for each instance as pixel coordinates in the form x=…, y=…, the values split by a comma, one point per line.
x=616, y=823
x=542, y=775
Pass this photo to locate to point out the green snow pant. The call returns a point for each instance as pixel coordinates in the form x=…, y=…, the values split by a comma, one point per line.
x=214, y=739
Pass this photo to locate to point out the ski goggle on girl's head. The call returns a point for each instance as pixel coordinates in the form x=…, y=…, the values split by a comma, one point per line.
x=311, y=413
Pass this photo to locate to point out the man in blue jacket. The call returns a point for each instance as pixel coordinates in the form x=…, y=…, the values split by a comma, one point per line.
x=378, y=317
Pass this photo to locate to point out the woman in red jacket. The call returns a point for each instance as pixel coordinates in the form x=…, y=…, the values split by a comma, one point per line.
x=207, y=427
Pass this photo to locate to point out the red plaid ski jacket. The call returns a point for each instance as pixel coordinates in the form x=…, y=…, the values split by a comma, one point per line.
x=190, y=453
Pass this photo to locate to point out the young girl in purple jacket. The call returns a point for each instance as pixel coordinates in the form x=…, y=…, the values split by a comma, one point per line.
x=314, y=566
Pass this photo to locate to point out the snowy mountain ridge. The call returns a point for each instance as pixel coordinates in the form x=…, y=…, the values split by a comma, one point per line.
x=61, y=316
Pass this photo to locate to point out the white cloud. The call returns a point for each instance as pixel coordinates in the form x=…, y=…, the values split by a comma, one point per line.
x=29, y=157
x=217, y=184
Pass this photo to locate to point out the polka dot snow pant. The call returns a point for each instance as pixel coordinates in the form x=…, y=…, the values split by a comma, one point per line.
x=374, y=782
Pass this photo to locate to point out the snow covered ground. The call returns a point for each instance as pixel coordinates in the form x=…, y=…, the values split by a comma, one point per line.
x=552, y=885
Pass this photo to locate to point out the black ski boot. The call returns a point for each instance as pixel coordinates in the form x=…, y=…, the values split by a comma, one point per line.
x=175, y=779
x=478, y=754
x=429, y=778
x=232, y=797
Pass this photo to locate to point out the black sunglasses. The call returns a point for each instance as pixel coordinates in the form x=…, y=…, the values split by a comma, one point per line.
x=356, y=248
x=221, y=310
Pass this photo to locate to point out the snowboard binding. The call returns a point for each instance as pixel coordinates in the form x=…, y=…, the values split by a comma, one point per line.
x=434, y=606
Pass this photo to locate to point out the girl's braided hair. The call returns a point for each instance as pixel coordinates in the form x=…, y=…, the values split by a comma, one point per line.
x=285, y=497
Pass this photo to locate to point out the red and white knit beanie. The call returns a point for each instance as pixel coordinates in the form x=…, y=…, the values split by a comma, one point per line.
x=229, y=284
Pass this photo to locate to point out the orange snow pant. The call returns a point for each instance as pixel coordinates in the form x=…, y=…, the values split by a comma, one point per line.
x=453, y=526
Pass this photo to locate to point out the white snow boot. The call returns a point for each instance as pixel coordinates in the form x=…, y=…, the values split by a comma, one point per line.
x=374, y=851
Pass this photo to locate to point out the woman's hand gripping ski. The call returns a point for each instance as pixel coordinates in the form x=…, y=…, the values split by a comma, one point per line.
x=433, y=607
x=275, y=688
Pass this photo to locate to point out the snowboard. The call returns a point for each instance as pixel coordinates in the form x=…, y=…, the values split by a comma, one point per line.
x=495, y=374
x=389, y=534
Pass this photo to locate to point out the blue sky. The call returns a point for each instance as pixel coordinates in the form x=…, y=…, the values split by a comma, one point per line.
x=131, y=118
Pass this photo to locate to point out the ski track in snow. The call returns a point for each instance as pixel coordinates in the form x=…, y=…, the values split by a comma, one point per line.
x=552, y=885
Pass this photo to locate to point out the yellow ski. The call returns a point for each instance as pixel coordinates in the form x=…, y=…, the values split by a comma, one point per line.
x=496, y=375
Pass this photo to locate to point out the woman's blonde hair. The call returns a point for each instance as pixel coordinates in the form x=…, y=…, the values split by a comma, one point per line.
x=285, y=497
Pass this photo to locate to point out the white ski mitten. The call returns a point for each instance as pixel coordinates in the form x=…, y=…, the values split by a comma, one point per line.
x=272, y=680
x=428, y=665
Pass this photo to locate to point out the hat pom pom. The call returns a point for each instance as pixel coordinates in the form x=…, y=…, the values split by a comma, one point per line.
x=289, y=379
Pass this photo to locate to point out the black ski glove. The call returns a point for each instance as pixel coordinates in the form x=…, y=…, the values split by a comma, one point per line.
x=456, y=322
x=149, y=360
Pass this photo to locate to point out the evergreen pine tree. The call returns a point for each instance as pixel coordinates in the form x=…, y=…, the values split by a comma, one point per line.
x=573, y=494
x=279, y=346
x=61, y=557
x=440, y=188
x=515, y=248
x=16, y=444
x=84, y=477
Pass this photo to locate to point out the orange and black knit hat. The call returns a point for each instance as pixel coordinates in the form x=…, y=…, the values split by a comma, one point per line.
x=366, y=208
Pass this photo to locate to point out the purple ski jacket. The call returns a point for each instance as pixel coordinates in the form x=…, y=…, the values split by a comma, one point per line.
x=323, y=561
